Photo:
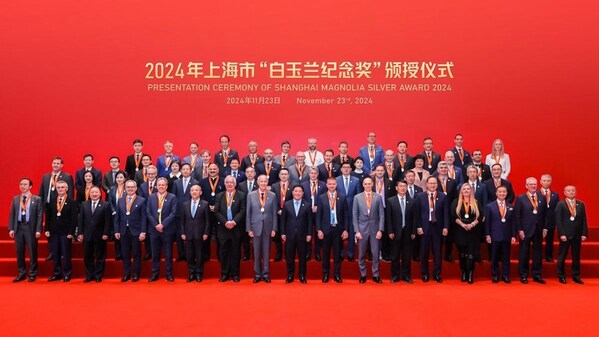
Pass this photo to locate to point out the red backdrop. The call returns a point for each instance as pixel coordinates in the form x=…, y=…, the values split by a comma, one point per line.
x=73, y=79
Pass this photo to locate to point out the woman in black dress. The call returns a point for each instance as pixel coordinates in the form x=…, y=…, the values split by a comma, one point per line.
x=466, y=215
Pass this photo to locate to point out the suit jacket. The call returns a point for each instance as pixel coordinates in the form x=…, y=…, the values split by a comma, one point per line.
x=257, y=221
x=458, y=176
x=46, y=187
x=144, y=189
x=276, y=189
x=207, y=189
x=289, y=161
x=273, y=176
x=247, y=162
x=295, y=177
x=64, y=224
x=79, y=181
x=481, y=195
x=323, y=173
x=352, y=190
x=351, y=160
x=494, y=227
x=491, y=189
x=107, y=181
x=81, y=193
x=417, y=189
x=551, y=205
x=526, y=220
x=179, y=194
x=323, y=213
x=441, y=211
x=136, y=220
x=219, y=160
x=240, y=175
x=163, y=170
x=237, y=211
x=130, y=165
x=320, y=189
x=368, y=223
x=171, y=181
x=485, y=171
x=571, y=229
x=432, y=167
x=112, y=199
x=409, y=164
x=458, y=160
x=139, y=177
x=389, y=190
x=451, y=190
x=35, y=214
x=188, y=160
x=198, y=172
x=169, y=212
x=296, y=225
x=379, y=157
x=194, y=227
x=393, y=217
x=243, y=187
x=93, y=226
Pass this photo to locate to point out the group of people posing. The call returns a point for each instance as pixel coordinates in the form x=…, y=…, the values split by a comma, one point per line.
x=393, y=206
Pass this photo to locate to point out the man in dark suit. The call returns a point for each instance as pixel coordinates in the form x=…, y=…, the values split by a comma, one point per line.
x=223, y=157
x=385, y=188
x=550, y=200
x=269, y=167
x=261, y=223
x=447, y=186
x=328, y=169
x=211, y=186
x=484, y=171
x=313, y=188
x=282, y=191
x=194, y=230
x=413, y=190
x=496, y=181
x=61, y=220
x=162, y=209
x=235, y=171
x=88, y=165
x=194, y=157
x=298, y=172
x=133, y=163
x=347, y=187
x=250, y=184
x=343, y=156
x=200, y=171
x=25, y=227
x=109, y=177
x=296, y=231
x=145, y=191
x=252, y=158
x=500, y=233
x=285, y=159
x=230, y=224
x=431, y=158
x=400, y=220
x=332, y=219
x=453, y=171
x=433, y=224
x=462, y=157
x=95, y=219
x=130, y=227
x=572, y=229
x=141, y=176
x=49, y=180
x=163, y=163
x=182, y=192
x=371, y=153
x=530, y=217
x=403, y=161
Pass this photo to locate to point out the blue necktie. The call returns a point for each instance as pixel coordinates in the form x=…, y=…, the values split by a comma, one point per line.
x=403, y=211
x=193, y=209
x=297, y=206
x=229, y=213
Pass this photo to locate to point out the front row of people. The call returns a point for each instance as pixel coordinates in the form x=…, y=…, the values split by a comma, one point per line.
x=259, y=213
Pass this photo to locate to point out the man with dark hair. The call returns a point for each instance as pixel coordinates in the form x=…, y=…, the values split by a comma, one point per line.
x=296, y=231
x=141, y=176
x=431, y=158
x=572, y=229
x=133, y=163
x=401, y=225
x=110, y=177
x=225, y=154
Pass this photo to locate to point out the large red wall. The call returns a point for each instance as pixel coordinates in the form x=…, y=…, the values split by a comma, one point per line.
x=72, y=79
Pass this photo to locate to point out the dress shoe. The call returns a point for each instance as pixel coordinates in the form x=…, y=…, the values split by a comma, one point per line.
x=325, y=278
x=31, y=279
x=246, y=258
x=19, y=279
x=377, y=279
x=66, y=279
x=180, y=258
x=153, y=278
x=49, y=257
x=538, y=279
x=256, y=279
x=147, y=257
x=54, y=278
x=199, y=278
x=495, y=279
x=278, y=258
x=317, y=257
x=407, y=280
x=424, y=278
x=87, y=280
x=416, y=259
x=308, y=257
x=236, y=279
x=289, y=279
x=448, y=258
x=478, y=259
x=337, y=279
x=266, y=279
x=394, y=279
x=223, y=278
x=125, y=278
x=118, y=258
x=350, y=259
x=549, y=259
x=577, y=280
x=170, y=278
x=506, y=279
x=302, y=279
x=135, y=278
x=562, y=280
x=98, y=279
x=524, y=280
x=437, y=278
x=190, y=278
x=362, y=279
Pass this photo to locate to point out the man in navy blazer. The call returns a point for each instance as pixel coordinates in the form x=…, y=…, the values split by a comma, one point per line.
x=400, y=220
x=49, y=180
x=431, y=158
x=163, y=163
x=312, y=189
x=296, y=231
x=530, y=217
x=348, y=186
x=268, y=167
x=223, y=157
x=194, y=229
x=211, y=186
x=500, y=233
x=496, y=181
x=332, y=230
x=371, y=153
x=181, y=190
x=551, y=199
x=162, y=209
x=130, y=227
x=433, y=224
x=235, y=171
x=145, y=190
x=88, y=162
x=328, y=168
x=462, y=157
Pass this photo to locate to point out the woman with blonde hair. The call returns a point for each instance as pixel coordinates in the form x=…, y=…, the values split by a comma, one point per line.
x=498, y=156
x=465, y=213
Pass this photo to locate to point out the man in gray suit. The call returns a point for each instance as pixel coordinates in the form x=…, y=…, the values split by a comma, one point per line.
x=261, y=225
x=25, y=226
x=368, y=216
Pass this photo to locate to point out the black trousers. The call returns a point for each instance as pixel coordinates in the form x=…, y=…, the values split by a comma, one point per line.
x=575, y=245
x=332, y=240
x=431, y=240
x=401, y=250
x=94, y=258
x=229, y=251
x=549, y=239
x=194, y=256
x=131, y=247
x=500, y=251
x=536, y=241
x=296, y=245
x=25, y=239
x=159, y=241
x=60, y=247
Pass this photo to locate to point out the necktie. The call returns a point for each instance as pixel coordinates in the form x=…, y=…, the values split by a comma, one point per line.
x=184, y=185
x=402, y=203
x=346, y=185
x=235, y=174
x=94, y=205
x=24, y=214
x=473, y=187
x=333, y=212
x=412, y=191
x=113, y=176
x=250, y=186
x=432, y=204
x=297, y=206
x=229, y=212
x=194, y=208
